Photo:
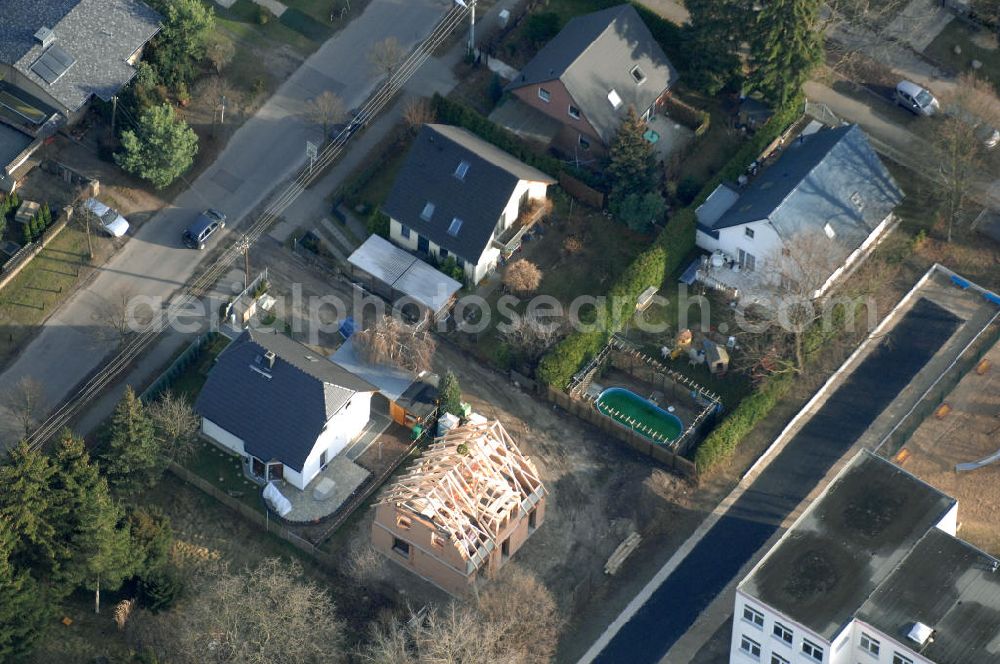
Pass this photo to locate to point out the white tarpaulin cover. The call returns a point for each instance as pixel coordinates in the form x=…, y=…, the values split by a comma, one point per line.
x=276, y=500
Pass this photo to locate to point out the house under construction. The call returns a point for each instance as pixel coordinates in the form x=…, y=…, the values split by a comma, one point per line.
x=465, y=506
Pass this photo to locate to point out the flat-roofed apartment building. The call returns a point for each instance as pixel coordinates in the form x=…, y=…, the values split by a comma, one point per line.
x=463, y=509
x=871, y=573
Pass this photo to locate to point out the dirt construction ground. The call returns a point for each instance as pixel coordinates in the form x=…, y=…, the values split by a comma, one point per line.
x=969, y=432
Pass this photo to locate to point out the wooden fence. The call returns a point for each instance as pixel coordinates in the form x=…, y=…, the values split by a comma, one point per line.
x=639, y=443
x=581, y=191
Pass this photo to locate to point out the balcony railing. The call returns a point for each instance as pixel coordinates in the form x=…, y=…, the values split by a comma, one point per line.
x=510, y=239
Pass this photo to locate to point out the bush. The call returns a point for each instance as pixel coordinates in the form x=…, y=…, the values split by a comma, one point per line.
x=264, y=15
x=540, y=28
x=451, y=267
x=496, y=89
x=687, y=190
x=159, y=590
x=378, y=224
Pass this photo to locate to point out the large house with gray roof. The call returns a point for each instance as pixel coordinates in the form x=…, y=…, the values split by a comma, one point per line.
x=284, y=408
x=458, y=196
x=828, y=194
x=59, y=54
x=871, y=572
x=588, y=76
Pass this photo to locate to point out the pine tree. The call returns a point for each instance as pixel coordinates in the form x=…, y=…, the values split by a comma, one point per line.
x=714, y=34
x=46, y=213
x=631, y=167
x=88, y=522
x=133, y=461
x=785, y=47
x=26, y=506
x=450, y=394
x=26, y=229
x=37, y=226
x=23, y=609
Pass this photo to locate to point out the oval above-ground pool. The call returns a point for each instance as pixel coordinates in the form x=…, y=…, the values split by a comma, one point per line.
x=641, y=415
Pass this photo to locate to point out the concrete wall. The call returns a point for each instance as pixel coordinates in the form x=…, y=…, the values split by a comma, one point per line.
x=435, y=557
x=558, y=108
x=345, y=425
x=222, y=437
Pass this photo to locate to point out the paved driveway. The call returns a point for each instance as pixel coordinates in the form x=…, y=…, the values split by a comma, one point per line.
x=262, y=153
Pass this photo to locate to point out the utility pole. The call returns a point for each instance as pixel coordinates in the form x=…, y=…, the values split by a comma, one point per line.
x=244, y=246
x=222, y=115
x=114, y=112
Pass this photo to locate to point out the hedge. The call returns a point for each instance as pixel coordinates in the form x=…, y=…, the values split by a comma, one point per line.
x=455, y=113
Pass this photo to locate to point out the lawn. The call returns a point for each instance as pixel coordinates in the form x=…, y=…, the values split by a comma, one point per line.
x=975, y=45
x=225, y=472
x=369, y=185
x=40, y=288
x=241, y=21
x=189, y=382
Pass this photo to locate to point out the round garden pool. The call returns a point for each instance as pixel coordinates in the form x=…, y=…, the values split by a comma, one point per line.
x=641, y=415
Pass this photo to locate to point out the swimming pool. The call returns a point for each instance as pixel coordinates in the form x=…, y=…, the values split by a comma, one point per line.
x=641, y=415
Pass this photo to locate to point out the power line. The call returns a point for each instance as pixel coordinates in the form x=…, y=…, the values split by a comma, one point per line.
x=198, y=286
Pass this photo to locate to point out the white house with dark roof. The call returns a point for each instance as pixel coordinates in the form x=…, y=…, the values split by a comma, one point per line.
x=61, y=53
x=587, y=77
x=827, y=193
x=284, y=408
x=457, y=195
x=871, y=572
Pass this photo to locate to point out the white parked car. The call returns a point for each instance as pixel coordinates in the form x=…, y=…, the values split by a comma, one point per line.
x=113, y=223
x=916, y=99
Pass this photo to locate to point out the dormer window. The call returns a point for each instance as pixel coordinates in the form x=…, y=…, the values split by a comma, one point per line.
x=638, y=75
x=456, y=225
x=615, y=100
x=461, y=170
x=428, y=211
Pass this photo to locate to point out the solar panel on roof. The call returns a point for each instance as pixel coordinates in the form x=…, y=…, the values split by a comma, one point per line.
x=52, y=64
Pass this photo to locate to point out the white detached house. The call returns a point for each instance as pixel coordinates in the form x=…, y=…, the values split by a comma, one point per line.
x=284, y=408
x=828, y=191
x=458, y=196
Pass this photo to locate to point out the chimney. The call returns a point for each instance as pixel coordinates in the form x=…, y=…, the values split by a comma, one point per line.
x=269, y=359
x=45, y=36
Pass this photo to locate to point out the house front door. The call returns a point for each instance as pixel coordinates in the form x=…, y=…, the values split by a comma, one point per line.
x=747, y=261
x=423, y=246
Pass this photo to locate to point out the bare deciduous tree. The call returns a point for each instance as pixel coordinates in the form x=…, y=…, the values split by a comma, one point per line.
x=262, y=615
x=798, y=272
x=572, y=245
x=389, y=341
x=495, y=629
x=25, y=400
x=417, y=113
x=220, y=52
x=176, y=425
x=117, y=313
x=522, y=276
x=531, y=335
x=958, y=143
x=385, y=55
x=326, y=110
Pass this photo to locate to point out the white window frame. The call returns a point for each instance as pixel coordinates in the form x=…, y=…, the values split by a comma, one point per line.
x=570, y=110
x=810, y=649
x=641, y=78
x=405, y=231
x=870, y=645
x=615, y=99
x=900, y=658
x=428, y=211
x=778, y=659
x=748, y=232
x=544, y=95
x=584, y=143
x=455, y=226
x=828, y=229
x=462, y=170
x=747, y=646
x=753, y=616
x=779, y=631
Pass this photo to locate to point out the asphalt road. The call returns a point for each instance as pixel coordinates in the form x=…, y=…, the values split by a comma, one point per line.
x=782, y=485
x=261, y=154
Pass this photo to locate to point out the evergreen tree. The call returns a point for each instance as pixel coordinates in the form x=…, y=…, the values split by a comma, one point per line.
x=450, y=394
x=160, y=149
x=133, y=460
x=631, y=166
x=89, y=525
x=714, y=34
x=786, y=45
x=152, y=538
x=183, y=41
x=46, y=213
x=23, y=610
x=37, y=226
x=26, y=230
x=26, y=506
